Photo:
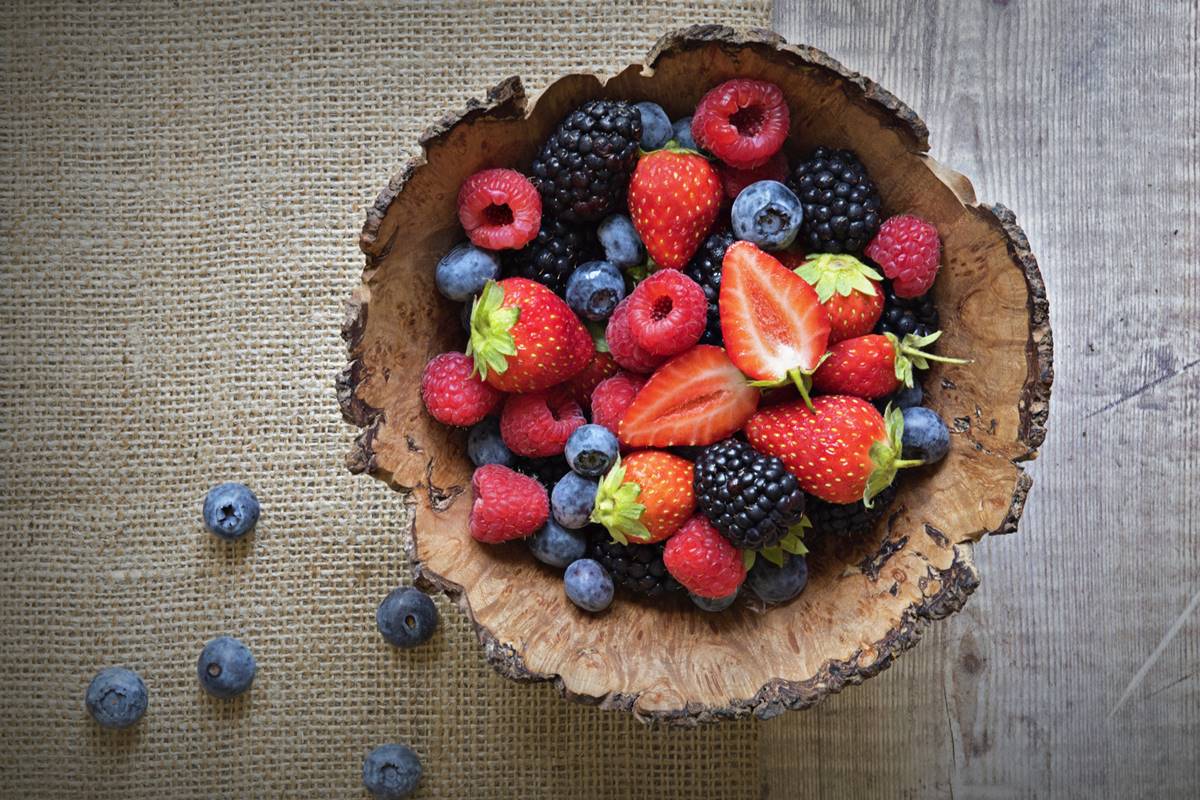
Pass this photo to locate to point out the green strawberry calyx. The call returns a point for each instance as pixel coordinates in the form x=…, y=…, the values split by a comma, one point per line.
x=491, y=330
x=791, y=544
x=836, y=273
x=617, y=507
x=885, y=455
x=673, y=146
x=597, y=332
x=909, y=354
x=801, y=377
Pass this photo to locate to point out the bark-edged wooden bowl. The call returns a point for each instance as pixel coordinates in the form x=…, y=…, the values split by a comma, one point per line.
x=866, y=602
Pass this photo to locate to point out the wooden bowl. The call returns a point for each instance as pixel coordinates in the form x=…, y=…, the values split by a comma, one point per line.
x=865, y=603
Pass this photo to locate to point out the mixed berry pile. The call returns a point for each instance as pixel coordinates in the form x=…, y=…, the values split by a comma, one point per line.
x=685, y=353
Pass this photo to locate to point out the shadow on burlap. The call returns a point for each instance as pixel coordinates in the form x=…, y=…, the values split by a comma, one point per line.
x=180, y=219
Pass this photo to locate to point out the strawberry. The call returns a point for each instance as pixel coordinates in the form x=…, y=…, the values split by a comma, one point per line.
x=875, y=365
x=645, y=497
x=841, y=450
x=774, y=327
x=703, y=560
x=582, y=385
x=696, y=398
x=508, y=505
x=525, y=338
x=674, y=198
x=850, y=292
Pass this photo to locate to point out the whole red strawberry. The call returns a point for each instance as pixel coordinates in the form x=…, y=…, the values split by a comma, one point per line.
x=850, y=292
x=538, y=424
x=909, y=251
x=525, y=338
x=453, y=394
x=703, y=560
x=875, y=365
x=584, y=384
x=742, y=122
x=508, y=505
x=499, y=209
x=674, y=198
x=840, y=451
x=645, y=496
x=625, y=350
x=667, y=313
x=613, y=397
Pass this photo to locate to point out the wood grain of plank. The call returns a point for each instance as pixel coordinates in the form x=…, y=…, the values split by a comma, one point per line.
x=1083, y=118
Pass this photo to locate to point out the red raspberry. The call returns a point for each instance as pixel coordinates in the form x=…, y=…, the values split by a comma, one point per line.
x=613, y=397
x=625, y=350
x=703, y=560
x=508, y=505
x=667, y=313
x=453, y=395
x=582, y=385
x=539, y=424
x=499, y=209
x=908, y=250
x=742, y=122
x=733, y=180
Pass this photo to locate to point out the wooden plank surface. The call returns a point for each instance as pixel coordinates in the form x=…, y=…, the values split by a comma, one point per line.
x=1075, y=669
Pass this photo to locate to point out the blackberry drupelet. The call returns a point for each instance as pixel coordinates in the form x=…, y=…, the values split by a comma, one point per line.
x=583, y=169
x=750, y=497
x=553, y=255
x=841, y=203
x=849, y=519
x=705, y=269
x=905, y=315
x=637, y=567
x=545, y=471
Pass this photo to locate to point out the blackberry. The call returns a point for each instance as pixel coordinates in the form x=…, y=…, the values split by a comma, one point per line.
x=553, y=255
x=841, y=203
x=750, y=497
x=583, y=169
x=849, y=519
x=637, y=567
x=904, y=315
x=705, y=269
x=546, y=471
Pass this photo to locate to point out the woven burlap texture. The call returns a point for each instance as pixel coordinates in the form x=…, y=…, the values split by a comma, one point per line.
x=184, y=189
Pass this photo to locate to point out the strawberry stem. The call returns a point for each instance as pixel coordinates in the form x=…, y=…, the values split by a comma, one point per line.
x=803, y=380
x=909, y=355
x=617, y=507
x=491, y=330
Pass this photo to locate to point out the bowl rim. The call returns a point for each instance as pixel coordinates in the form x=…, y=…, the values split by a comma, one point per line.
x=957, y=581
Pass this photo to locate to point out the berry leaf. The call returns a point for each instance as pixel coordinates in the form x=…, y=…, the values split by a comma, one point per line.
x=491, y=330
x=617, y=507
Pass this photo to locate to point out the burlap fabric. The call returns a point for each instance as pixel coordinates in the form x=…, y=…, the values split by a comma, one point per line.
x=183, y=187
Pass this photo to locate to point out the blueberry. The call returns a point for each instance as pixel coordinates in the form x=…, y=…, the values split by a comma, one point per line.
x=588, y=585
x=926, y=437
x=778, y=584
x=231, y=510
x=226, y=667
x=591, y=450
x=683, y=134
x=556, y=545
x=768, y=214
x=713, y=604
x=622, y=245
x=908, y=396
x=485, y=446
x=116, y=697
x=391, y=771
x=406, y=617
x=463, y=271
x=656, y=126
x=572, y=500
x=594, y=289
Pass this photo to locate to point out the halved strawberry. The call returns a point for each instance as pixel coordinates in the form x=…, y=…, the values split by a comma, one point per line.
x=774, y=326
x=696, y=398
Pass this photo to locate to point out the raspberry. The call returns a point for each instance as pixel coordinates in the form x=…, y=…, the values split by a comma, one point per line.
x=667, y=313
x=733, y=180
x=582, y=385
x=539, y=424
x=508, y=505
x=908, y=250
x=742, y=122
x=703, y=560
x=453, y=395
x=612, y=398
x=625, y=350
x=499, y=209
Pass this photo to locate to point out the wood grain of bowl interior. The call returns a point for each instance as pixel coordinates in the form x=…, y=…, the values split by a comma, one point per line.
x=865, y=602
